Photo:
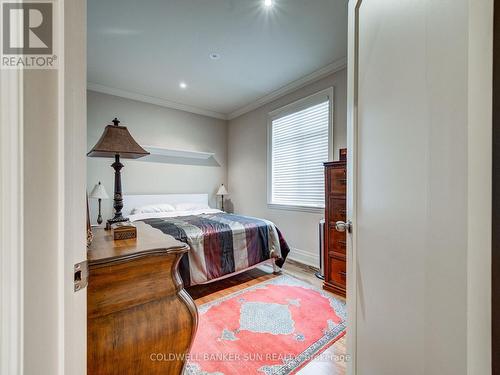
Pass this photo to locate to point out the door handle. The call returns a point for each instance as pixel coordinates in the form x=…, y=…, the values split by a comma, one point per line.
x=342, y=226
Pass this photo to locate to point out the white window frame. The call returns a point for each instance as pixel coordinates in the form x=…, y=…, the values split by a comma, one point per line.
x=284, y=111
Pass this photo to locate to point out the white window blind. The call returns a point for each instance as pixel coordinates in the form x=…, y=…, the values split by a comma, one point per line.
x=299, y=147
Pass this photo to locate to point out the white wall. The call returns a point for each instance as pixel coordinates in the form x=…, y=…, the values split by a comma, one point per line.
x=159, y=126
x=247, y=169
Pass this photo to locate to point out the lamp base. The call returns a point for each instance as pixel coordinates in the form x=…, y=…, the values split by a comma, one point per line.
x=99, y=217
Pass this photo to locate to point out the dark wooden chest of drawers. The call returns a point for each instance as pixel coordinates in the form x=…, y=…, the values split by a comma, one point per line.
x=335, y=242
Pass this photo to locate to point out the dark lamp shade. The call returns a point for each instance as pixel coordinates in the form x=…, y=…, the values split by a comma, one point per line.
x=116, y=140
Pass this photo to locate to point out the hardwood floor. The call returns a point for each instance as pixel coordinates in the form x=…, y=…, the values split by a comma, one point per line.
x=327, y=364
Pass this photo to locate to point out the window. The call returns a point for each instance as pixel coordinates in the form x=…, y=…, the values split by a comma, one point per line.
x=299, y=137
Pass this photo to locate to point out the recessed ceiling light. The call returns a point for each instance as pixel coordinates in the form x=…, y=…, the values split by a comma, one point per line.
x=183, y=85
x=214, y=56
x=268, y=3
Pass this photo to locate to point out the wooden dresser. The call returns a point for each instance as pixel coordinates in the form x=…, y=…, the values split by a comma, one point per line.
x=138, y=313
x=335, y=242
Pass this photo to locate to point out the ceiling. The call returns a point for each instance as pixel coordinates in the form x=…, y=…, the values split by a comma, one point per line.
x=150, y=47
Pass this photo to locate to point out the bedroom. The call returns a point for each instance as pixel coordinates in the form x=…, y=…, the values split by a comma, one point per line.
x=211, y=100
x=207, y=125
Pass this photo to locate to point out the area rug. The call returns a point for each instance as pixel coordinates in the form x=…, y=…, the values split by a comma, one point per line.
x=275, y=327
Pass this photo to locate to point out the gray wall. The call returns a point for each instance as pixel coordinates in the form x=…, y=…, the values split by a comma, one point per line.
x=240, y=147
x=247, y=172
x=154, y=125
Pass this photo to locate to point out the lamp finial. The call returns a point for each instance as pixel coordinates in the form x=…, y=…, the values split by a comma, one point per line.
x=116, y=122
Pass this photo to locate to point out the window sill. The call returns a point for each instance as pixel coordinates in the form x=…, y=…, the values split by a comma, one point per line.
x=286, y=207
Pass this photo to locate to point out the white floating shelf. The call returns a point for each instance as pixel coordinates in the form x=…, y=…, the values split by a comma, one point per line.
x=155, y=150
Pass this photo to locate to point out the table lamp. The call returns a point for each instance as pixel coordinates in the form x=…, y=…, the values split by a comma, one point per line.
x=222, y=191
x=117, y=142
x=99, y=193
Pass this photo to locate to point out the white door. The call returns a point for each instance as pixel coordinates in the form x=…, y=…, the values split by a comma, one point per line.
x=409, y=135
x=73, y=127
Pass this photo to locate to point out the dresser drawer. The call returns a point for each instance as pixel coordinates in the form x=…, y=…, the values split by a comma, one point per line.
x=337, y=181
x=337, y=241
x=124, y=285
x=338, y=275
x=337, y=209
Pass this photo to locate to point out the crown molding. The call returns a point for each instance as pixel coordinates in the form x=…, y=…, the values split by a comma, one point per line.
x=153, y=100
x=333, y=67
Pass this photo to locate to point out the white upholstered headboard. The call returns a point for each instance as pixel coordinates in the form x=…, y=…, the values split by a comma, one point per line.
x=133, y=201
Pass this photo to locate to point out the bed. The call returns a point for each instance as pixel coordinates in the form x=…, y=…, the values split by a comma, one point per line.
x=221, y=244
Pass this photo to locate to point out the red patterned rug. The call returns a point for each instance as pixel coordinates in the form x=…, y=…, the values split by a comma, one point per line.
x=275, y=327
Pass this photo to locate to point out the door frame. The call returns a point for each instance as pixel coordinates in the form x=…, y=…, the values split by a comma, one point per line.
x=352, y=141
x=480, y=112
x=11, y=222
x=70, y=339
x=72, y=172
x=495, y=238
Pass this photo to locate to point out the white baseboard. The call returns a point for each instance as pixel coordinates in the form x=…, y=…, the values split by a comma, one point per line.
x=305, y=257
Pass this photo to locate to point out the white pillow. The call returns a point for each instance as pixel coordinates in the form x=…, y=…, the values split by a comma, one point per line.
x=191, y=206
x=152, y=208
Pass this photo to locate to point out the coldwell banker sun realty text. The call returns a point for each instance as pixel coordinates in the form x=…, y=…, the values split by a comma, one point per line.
x=28, y=30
